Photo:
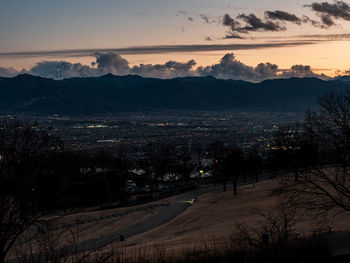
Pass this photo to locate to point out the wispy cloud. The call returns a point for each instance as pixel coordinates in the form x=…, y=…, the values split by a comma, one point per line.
x=275, y=21
x=157, y=49
x=232, y=35
x=283, y=16
x=330, y=11
x=207, y=19
x=314, y=38
x=194, y=16
x=247, y=23
x=254, y=23
x=326, y=37
x=184, y=13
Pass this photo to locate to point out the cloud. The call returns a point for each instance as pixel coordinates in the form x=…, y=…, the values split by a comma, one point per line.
x=191, y=17
x=184, y=13
x=275, y=20
x=283, y=16
x=207, y=19
x=327, y=20
x=292, y=18
x=61, y=70
x=314, y=23
x=313, y=37
x=157, y=49
x=170, y=69
x=233, y=36
x=231, y=68
x=8, y=72
x=252, y=23
x=301, y=71
x=105, y=63
x=111, y=63
x=227, y=68
x=256, y=24
x=230, y=22
x=330, y=11
x=345, y=72
x=266, y=70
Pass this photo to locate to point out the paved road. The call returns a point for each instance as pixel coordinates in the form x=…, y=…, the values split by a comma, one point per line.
x=338, y=241
x=165, y=214
x=176, y=207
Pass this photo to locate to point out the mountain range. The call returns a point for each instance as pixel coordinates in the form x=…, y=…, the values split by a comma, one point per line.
x=109, y=93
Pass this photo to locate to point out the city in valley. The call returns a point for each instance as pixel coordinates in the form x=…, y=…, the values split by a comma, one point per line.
x=134, y=132
x=187, y=131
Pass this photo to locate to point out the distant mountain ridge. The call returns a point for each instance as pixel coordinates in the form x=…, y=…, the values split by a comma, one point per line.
x=109, y=93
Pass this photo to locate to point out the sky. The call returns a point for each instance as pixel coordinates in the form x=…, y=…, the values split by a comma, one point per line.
x=37, y=36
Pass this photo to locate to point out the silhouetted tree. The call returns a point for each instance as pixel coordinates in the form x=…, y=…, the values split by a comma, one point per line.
x=295, y=148
x=320, y=186
x=26, y=178
x=234, y=166
x=254, y=164
x=217, y=151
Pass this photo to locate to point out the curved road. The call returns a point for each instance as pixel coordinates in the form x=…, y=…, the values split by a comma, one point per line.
x=165, y=214
x=176, y=207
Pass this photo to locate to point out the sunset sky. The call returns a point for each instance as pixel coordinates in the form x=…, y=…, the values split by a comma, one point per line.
x=315, y=33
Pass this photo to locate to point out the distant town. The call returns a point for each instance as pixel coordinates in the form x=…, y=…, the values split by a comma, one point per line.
x=136, y=131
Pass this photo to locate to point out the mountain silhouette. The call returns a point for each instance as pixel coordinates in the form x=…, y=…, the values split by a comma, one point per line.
x=109, y=93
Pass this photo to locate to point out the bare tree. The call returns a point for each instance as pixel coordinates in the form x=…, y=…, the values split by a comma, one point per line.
x=274, y=228
x=218, y=151
x=59, y=245
x=234, y=166
x=325, y=186
x=25, y=170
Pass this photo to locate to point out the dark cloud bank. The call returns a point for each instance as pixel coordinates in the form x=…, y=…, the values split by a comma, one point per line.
x=329, y=12
x=274, y=21
x=241, y=25
x=228, y=68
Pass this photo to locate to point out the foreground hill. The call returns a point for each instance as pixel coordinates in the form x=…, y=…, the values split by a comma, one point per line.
x=209, y=222
x=109, y=93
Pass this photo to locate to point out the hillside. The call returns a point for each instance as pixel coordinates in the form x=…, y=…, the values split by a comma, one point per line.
x=109, y=93
x=212, y=219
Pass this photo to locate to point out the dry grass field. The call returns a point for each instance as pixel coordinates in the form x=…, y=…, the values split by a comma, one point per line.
x=213, y=219
x=217, y=214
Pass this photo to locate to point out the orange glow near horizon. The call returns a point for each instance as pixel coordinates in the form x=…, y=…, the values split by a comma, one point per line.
x=79, y=24
x=324, y=57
